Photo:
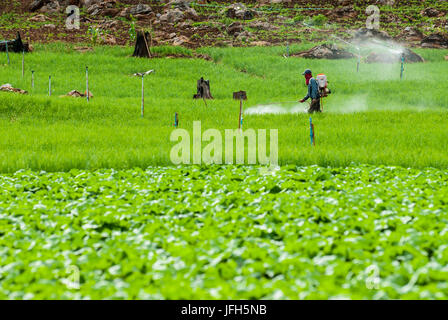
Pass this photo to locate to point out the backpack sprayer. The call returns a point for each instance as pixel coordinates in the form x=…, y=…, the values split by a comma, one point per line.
x=324, y=91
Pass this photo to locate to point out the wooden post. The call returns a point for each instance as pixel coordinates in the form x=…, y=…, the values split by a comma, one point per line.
x=7, y=52
x=359, y=60
x=87, y=83
x=240, y=123
x=23, y=63
x=49, y=86
x=402, y=66
x=32, y=79
x=240, y=95
x=143, y=96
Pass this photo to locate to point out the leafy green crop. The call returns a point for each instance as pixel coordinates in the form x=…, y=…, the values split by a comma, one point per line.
x=225, y=232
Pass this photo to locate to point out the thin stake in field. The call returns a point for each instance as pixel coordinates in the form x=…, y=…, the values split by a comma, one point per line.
x=359, y=60
x=49, y=86
x=143, y=96
x=240, y=95
x=32, y=79
x=23, y=63
x=241, y=115
x=7, y=52
x=402, y=66
x=87, y=83
x=313, y=142
x=143, y=89
x=176, y=120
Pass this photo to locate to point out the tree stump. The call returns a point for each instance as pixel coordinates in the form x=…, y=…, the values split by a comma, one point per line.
x=15, y=45
x=142, y=47
x=203, y=88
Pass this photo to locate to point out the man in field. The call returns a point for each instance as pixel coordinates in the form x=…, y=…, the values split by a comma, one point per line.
x=313, y=92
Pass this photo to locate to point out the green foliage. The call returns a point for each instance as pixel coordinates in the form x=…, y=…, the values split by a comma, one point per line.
x=227, y=21
x=299, y=18
x=162, y=51
x=132, y=32
x=94, y=33
x=225, y=232
x=317, y=20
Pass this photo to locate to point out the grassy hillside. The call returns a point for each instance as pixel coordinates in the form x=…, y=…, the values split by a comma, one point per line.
x=54, y=133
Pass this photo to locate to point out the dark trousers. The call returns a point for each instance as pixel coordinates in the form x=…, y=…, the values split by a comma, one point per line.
x=315, y=106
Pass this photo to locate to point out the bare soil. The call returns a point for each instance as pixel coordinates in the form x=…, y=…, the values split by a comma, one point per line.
x=209, y=29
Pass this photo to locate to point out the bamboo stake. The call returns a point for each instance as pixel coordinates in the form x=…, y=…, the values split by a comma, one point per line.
x=143, y=95
x=402, y=67
x=23, y=63
x=240, y=122
x=7, y=52
x=359, y=60
x=87, y=84
x=146, y=44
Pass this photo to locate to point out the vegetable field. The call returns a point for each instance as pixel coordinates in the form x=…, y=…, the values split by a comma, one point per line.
x=230, y=232
x=92, y=207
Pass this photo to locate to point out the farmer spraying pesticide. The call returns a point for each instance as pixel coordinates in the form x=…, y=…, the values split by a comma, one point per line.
x=317, y=89
x=313, y=92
